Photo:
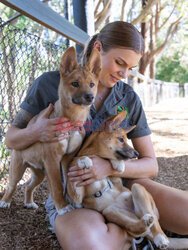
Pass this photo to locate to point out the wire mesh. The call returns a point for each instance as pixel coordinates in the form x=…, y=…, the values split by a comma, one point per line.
x=23, y=57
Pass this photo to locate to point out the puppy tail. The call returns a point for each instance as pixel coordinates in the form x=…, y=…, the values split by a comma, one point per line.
x=178, y=243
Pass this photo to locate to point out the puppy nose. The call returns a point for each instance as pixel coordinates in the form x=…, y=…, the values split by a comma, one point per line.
x=89, y=97
x=136, y=153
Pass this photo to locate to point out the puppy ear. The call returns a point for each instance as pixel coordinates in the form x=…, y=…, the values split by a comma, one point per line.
x=129, y=129
x=113, y=123
x=94, y=64
x=68, y=61
x=119, y=117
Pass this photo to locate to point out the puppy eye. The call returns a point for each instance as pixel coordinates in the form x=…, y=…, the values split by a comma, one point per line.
x=92, y=85
x=121, y=139
x=75, y=84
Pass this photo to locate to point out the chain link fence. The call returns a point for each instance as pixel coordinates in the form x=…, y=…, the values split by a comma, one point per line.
x=23, y=57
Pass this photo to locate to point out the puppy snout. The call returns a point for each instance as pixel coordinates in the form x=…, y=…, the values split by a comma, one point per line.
x=133, y=153
x=89, y=97
x=136, y=154
x=126, y=153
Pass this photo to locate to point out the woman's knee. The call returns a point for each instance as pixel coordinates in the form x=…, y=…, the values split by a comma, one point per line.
x=86, y=229
x=80, y=229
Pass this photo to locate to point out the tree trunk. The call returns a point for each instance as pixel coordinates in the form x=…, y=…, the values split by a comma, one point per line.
x=67, y=16
x=83, y=18
x=151, y=48
x=144, y=29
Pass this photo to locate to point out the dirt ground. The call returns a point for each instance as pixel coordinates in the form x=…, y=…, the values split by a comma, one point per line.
x=168, y=122
x=23, y=229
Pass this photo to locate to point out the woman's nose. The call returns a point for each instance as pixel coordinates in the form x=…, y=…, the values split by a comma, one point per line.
x=123, y=73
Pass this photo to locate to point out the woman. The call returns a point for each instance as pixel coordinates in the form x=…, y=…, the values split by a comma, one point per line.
x=121, y=47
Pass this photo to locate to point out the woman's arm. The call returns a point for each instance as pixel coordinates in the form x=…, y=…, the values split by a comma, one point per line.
x=22, y=133
x=18, y=135
x=144, y=167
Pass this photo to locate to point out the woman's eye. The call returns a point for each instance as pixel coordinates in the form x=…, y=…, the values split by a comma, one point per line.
x=120, y=139
x=119, y=62
x=130, y=69
x=92, y=85
x=75, y=84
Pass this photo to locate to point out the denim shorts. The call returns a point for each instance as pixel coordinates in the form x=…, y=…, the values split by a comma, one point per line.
x=51, y=209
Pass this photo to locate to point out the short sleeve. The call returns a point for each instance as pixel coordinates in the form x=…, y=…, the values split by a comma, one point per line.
x=137, y=117
x=42, y=92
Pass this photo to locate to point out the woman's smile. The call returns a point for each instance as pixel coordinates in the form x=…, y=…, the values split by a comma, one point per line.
x=114, y=79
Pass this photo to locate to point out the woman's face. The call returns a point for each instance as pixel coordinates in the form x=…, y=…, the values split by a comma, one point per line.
x=117, y=64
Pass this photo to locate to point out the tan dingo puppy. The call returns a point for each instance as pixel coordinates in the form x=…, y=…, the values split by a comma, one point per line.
x=133, y=209
x=77, y=90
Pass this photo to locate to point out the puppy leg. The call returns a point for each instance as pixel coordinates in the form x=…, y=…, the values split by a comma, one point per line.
x=118, y=165
x=36, y=179
x=145, y=208
x=77, y=193
x=158, y=236
x=16, y=172
x=118, y=214
x=142, y=204
x=52, y=166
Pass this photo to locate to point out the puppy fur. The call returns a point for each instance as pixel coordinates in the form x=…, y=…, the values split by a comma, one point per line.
x=77, y=90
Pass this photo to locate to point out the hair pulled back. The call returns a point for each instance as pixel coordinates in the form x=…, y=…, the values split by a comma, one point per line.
x=114, y=35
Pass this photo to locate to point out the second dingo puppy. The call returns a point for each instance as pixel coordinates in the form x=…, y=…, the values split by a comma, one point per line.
x=133, y=209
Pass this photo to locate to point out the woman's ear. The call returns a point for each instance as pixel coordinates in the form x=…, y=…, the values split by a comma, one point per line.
x=97, y=45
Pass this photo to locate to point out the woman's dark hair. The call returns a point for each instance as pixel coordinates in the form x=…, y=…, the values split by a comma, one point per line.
x=114, y=35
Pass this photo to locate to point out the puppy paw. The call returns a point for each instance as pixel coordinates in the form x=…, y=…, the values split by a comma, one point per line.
x=161, y=241
x=65, y=210
x=148, y=220
x=118, y=165
x=4, y=204
x=85, y=162
x=32, y=205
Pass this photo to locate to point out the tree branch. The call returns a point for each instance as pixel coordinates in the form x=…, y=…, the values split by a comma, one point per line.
x=171, y=31
x=104, y=14
x=123, y=10
x=97, y=7
x=145, y=11
x=104, y=10
x=159, y=28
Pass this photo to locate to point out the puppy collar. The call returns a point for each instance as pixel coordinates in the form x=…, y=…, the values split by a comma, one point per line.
x=99, y=193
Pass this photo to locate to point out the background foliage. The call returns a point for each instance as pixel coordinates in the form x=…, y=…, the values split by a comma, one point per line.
x=166, y=25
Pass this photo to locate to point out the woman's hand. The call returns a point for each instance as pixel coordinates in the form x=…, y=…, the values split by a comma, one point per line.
x=50, y=130
x=100, y=170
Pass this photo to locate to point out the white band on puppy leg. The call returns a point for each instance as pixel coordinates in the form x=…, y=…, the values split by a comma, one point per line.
x=65, y=210
x=4, y=204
